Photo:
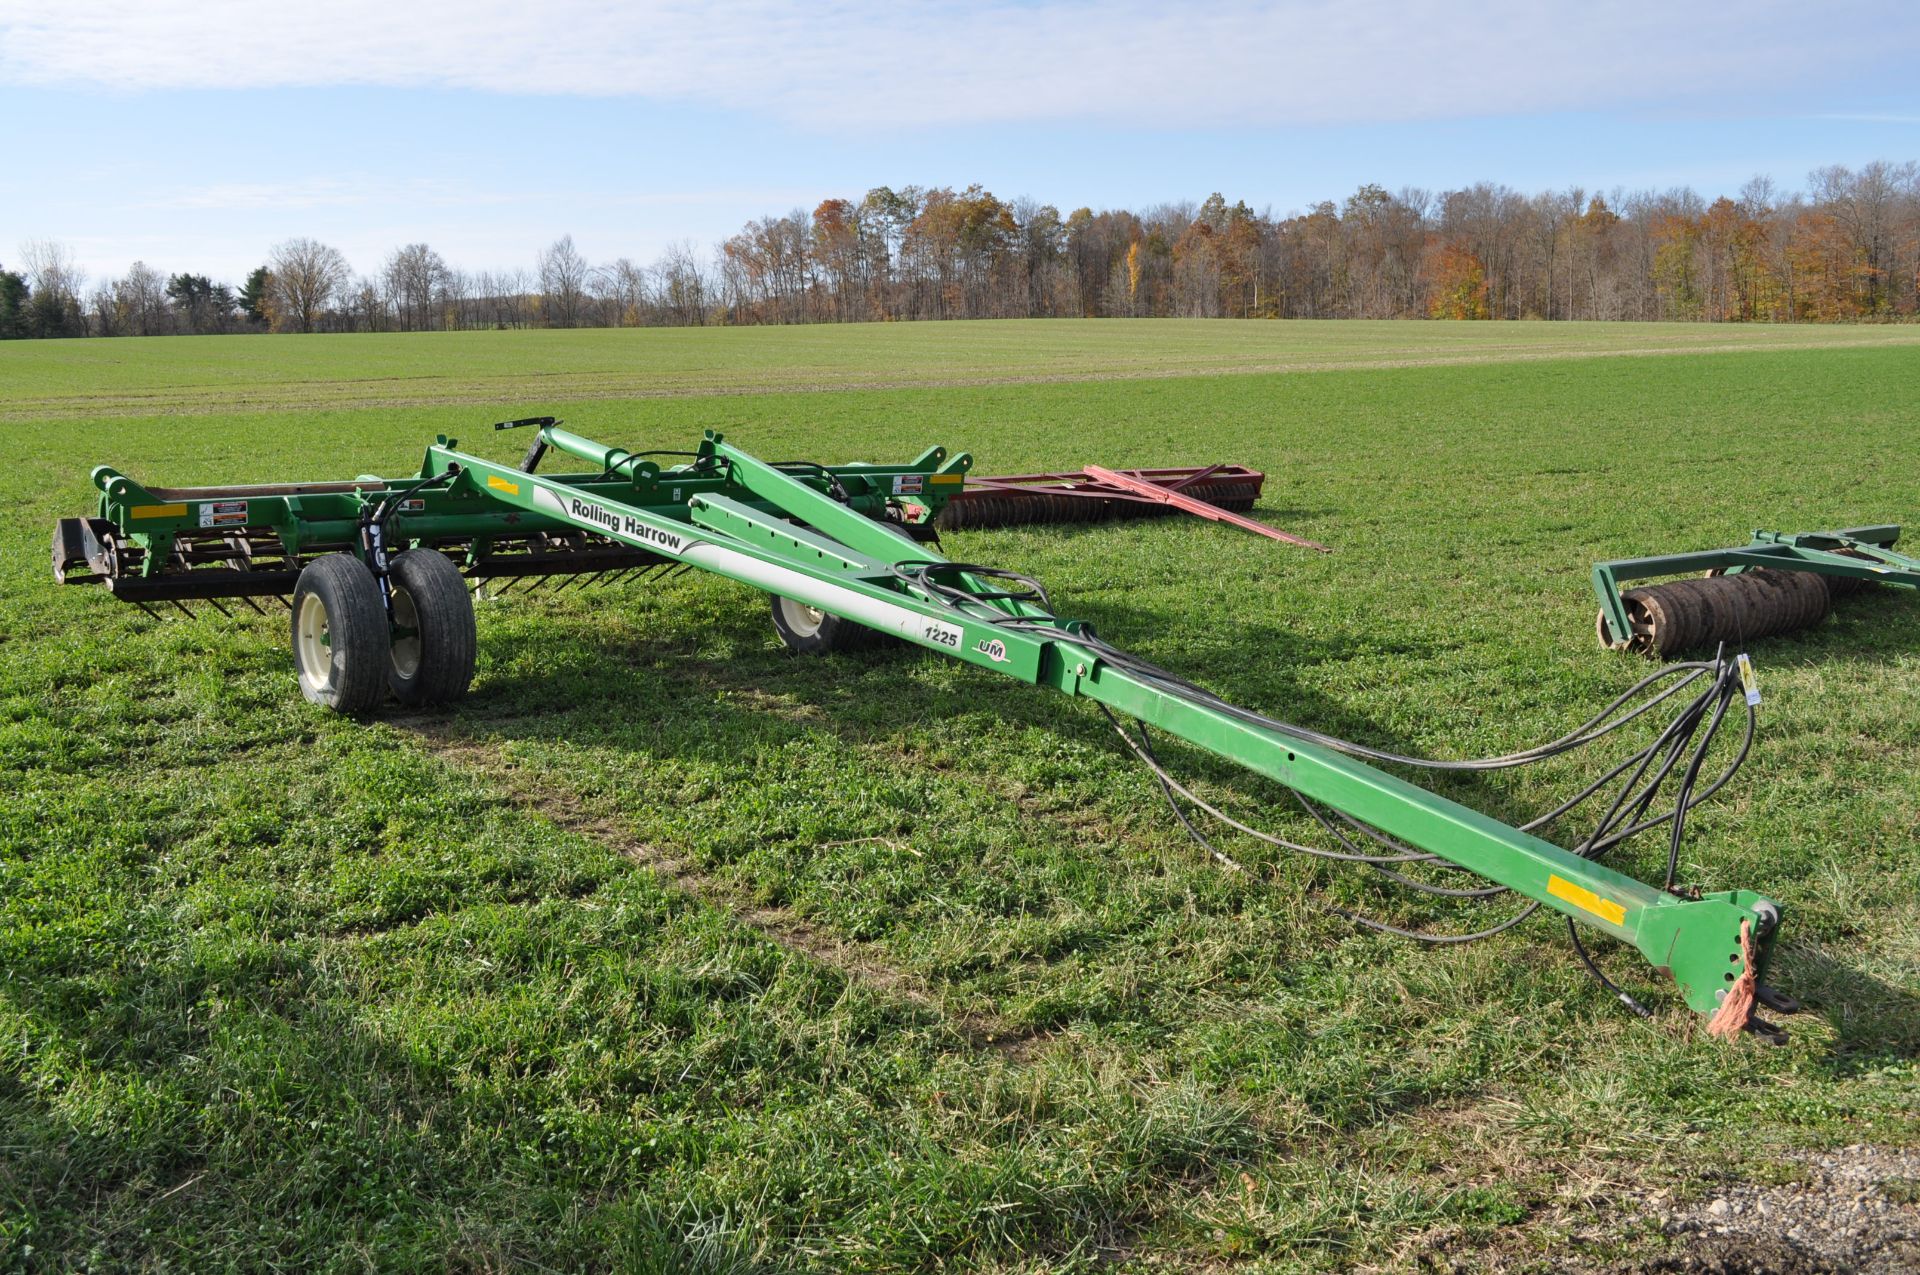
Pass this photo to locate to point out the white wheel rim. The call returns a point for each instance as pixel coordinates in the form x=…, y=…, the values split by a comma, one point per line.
x=405, y=649
x=803, y=620
x=315, y=643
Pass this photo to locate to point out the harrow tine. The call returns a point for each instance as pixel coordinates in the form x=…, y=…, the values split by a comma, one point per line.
x=564, y=584
x=144, y=607
x=184, y=608
x=285, y=601
x=250, y=602
x=215, y=604
x=508, y=586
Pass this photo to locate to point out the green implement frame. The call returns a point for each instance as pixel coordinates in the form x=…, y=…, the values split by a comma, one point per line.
x=1857, y=553
x=837, y=543
x=844, y=563
x=161, y=546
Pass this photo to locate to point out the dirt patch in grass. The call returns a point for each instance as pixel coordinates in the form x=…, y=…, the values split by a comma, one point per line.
x=1854, y=1211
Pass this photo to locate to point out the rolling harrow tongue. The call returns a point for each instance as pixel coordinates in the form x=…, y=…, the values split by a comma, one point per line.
x=1776, y=584
x=372, y=569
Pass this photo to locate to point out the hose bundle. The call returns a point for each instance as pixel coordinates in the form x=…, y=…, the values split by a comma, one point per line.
x=1655, y=786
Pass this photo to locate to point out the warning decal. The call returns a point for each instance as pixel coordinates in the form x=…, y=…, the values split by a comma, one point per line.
x=223, y=513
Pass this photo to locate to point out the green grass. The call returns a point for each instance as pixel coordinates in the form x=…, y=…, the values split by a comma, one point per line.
x=669, y=951
x=195, y=375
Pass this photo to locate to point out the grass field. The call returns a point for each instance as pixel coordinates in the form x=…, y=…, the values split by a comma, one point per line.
x=668, y=951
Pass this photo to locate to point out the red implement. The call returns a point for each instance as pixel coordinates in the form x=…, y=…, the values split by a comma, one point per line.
x=1226, y=482
x=1147, y=489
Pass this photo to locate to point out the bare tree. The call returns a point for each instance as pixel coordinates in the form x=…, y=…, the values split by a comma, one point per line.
x=50, y=268
x=54, y=308
x=563, y=279
x=416, y=279
x=683, y=290
x=456, y=299
x=140, y=301
x=621, y=290
x=365, y=306
x=106, y=313
x=306, y=277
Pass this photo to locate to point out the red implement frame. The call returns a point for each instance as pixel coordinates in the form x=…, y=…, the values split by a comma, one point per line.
x=1186, y=489
x=1144, y=488
x=1082, y=483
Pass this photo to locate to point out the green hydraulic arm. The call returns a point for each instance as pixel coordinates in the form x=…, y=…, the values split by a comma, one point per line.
x=795, y=540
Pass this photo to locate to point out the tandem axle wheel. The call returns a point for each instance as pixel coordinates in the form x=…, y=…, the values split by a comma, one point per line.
x=810, y=631
x=350, y=650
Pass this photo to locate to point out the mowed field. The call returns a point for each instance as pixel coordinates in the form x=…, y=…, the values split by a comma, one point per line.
x=671, y=951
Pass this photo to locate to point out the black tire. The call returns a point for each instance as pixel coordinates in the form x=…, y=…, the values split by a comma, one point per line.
x=339, y=632
x=812, y=632
x=434, y=640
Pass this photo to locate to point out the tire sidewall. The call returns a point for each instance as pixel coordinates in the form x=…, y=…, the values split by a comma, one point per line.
x=443, y=614
x=357, y=634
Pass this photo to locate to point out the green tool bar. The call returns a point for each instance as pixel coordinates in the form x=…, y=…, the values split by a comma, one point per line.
x=1696, y=940
x=815, y=508
x=790, y=566
x=610, y=459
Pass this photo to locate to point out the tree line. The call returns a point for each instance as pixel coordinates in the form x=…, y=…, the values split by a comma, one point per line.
x=1846, y=248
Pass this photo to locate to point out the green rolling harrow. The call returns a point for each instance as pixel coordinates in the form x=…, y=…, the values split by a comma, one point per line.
x=377, y=574
x=1778, y=583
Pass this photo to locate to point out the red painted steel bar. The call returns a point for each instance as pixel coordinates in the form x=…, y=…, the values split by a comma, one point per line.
x=1153, y=491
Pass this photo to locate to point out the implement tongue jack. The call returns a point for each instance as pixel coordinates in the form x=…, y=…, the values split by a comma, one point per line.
x=373, y=569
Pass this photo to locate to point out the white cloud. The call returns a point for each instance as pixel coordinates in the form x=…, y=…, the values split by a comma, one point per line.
x=1870, y=118
x=839, y=62
x=226, y=196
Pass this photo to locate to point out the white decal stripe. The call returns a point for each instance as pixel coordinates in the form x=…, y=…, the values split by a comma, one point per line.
x=838, y=599
x=608, y=521
x=789, y=583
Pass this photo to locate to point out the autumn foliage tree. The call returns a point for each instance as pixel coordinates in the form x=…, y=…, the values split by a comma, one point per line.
x=1458, y=287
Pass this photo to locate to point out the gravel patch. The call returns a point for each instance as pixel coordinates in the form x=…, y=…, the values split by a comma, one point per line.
x=1854, y=1210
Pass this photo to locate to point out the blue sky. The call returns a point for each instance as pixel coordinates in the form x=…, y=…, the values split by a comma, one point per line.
x=195, y=134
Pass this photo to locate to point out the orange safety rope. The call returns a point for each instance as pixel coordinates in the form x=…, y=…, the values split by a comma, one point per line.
x=1736, y=1011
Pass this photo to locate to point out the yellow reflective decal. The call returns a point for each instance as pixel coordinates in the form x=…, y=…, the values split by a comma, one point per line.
x=500, y=484
x=157, y=511
x=944, y=479
x=1581, y=897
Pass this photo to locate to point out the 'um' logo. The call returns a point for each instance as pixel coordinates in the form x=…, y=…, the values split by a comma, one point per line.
x=993, y=648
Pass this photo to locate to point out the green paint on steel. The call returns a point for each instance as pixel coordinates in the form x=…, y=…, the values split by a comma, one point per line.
x=1692, y=939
